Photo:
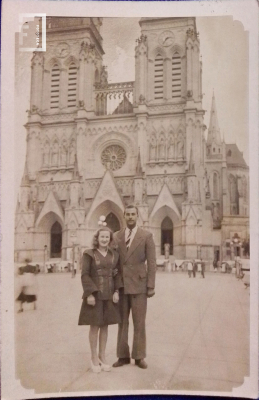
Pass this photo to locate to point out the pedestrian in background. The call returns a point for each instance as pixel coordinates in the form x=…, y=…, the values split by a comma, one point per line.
x=202, y=268
x=189, y=268
x=75, y=268
x=101, y=280
x=195, y=267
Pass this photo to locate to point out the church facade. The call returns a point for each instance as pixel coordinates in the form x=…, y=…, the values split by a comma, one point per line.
x=94, y=146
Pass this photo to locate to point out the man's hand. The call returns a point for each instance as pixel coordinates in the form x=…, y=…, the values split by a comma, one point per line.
x=91, y=300
x=115, y=297
x=150, y=292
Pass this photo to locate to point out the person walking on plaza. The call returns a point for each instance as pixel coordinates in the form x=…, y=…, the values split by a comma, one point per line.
x=74, y=269
x=194, y=268
x=202, y=268
x=101, y=280
x=189, y=268
x=28, y=285
x=138, y=267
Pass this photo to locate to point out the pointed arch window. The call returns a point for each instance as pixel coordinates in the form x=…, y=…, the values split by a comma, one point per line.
x=55, y=87
x=72, y=85
x=56, y=240
x=176, y=76
x=113, y=222
x=159, y=78
x=167, y=236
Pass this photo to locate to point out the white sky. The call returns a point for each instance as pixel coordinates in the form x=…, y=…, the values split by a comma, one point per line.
x=224, y=50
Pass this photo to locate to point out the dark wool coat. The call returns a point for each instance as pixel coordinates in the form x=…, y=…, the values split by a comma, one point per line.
x=138, y=264
x=98, y=276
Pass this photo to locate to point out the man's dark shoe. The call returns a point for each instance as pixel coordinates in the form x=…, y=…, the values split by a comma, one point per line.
x=141, y=363
x=121, y=361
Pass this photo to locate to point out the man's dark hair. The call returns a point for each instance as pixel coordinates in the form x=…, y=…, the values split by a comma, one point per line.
x=131, y=206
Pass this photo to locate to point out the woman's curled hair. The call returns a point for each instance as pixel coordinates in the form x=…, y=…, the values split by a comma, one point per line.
x=96, y=236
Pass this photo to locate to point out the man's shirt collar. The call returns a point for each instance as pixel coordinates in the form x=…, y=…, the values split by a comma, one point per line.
x=134, y=230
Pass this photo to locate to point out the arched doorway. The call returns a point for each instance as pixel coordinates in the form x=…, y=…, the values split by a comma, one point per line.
x=113, y=222
x=55, y=240
x=167, y=235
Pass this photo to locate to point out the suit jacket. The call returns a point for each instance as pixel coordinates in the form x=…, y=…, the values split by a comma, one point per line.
x=138, y=264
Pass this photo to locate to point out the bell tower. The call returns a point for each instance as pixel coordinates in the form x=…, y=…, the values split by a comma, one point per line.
x=168, y=68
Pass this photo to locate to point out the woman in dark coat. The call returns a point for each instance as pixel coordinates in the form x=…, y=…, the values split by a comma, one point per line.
x=101, y=280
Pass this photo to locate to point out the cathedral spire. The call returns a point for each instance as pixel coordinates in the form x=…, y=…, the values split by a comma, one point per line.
x=139, y=171
x=25, y=178
x=214, y=131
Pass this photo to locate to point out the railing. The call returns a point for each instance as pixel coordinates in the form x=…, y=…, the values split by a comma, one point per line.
x=114, y=98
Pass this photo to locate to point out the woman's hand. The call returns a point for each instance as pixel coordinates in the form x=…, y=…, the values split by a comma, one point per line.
x=115, y=297
x=114, y=272
x=91, y=300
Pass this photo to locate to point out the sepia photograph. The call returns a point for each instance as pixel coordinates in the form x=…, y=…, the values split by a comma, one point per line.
x=132, y=199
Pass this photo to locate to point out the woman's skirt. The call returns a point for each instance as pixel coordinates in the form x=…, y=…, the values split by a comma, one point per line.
x=26, y=298
x=105, y=312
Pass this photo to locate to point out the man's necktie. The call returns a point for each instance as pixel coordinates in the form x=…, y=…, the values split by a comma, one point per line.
x=128, y=239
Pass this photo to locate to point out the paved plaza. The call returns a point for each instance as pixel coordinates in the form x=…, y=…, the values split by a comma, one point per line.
x=197, y=338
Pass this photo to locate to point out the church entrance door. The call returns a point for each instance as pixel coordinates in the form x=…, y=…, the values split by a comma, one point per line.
x=113, y=222
x=56, y=240
x=167, y=236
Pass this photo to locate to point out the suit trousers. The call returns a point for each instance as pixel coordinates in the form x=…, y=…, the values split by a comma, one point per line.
x=137, y=303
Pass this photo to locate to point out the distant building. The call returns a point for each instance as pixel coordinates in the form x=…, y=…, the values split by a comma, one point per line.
x=94, y=146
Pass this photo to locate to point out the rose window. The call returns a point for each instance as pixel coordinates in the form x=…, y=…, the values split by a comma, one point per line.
x=113, y=157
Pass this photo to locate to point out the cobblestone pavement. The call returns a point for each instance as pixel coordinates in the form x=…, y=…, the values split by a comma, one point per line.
x=197, y=338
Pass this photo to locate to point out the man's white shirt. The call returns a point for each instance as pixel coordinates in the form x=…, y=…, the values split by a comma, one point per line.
x=133, y=233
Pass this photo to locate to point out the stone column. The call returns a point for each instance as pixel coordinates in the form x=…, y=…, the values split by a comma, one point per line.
x=141, y=65
x=89, y=79
x=46, y=90
x=33, y=153
x=195, y=70
x=189, y=51
x=36, y=80
x=82, y=61
x=150, y=80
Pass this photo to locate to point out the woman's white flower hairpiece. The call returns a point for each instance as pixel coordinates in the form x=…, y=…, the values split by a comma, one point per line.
x=101, y=221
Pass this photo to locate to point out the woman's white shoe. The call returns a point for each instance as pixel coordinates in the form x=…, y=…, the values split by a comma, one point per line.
x=95, y=368
x=105, y=367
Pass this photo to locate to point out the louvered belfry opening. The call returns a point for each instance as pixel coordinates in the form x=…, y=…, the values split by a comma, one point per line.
x=159, y=78
x=54, y=89
x=176, y=76
x=72, y=84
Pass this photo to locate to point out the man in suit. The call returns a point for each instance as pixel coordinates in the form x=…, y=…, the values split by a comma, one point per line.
x=138, y=267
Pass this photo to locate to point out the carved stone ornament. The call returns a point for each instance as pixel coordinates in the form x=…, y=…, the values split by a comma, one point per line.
x=141, y=99
x=189, y=94
x=81, y=103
